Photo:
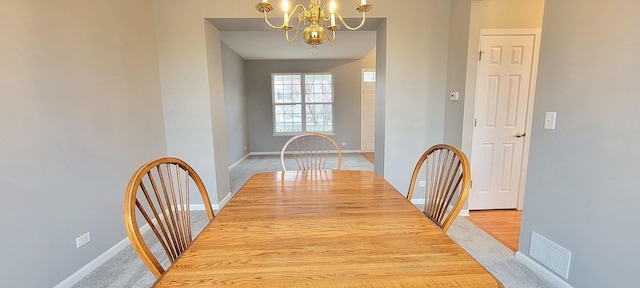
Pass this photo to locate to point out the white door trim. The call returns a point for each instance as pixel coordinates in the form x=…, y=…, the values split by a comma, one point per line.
x=362, y=111
x=469, y=104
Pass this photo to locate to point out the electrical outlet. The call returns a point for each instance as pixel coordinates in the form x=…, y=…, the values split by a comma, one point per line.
x=84, y=239
x=344, y=143
x=422, y=183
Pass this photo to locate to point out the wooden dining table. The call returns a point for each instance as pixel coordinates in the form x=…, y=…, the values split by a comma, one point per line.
x=342, y=228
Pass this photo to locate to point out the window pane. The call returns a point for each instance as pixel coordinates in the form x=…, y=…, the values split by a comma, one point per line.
x=287, y=89
x=370, y=76
x=296, y=79
x=318, y=88
x=277, y=80
x=288, y=118
x=308, y=79
x=319, y=118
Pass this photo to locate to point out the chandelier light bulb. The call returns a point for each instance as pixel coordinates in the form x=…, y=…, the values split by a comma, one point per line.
x=332, y=8
x=285, y=7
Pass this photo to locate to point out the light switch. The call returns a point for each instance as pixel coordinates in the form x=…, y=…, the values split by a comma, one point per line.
x=550, y=120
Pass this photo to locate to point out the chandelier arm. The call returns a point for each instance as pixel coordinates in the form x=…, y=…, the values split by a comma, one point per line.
x=364, y=17
x=286, y=23
x=333, y=32
x=301, y=17
x=295, y=37
x=324, y=18
x=332, y=39
x=271, y=25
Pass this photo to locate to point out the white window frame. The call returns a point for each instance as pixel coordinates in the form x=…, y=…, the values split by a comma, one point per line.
x=303, y=103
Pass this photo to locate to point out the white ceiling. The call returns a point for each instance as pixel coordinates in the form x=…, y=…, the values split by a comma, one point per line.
x=252, y=39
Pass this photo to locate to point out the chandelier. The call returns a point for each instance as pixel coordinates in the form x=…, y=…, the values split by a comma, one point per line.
x=315, y=18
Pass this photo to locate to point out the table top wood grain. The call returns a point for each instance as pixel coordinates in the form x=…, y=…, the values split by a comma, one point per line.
x=323, y=229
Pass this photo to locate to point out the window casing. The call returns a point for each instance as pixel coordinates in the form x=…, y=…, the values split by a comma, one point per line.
x=293, y=92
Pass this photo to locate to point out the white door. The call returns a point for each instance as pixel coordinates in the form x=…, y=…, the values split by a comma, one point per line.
x=502, y=97
x=368, y=110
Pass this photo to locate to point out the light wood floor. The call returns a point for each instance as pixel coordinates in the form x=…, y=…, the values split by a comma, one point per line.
x=369, y=156
x=503, y=225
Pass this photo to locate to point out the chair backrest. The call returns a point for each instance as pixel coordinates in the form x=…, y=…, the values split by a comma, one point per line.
x=311, y=151
x=447, y=176
x=160, y=193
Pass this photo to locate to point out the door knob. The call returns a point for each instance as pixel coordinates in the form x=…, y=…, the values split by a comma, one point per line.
x=520, y=134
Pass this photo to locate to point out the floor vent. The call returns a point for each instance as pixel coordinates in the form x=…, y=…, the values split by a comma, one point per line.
x=550, y=254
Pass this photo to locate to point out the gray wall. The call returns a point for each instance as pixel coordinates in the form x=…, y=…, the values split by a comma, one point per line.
x=80, y=112
x=416, y=65
x=346, y=108
x=583, y=177
x=381, y=95
x=456, y=70
x=192, y=95
x=369, y=60
x=216, y=120
x=235, y=102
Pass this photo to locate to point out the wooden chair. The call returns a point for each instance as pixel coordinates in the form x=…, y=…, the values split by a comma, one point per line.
x=160, y=192
x=448, y=179
x=311, y=151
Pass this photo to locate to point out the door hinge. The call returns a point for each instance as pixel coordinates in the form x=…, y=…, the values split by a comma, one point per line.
x=475, y=122
x=471, y=186
x=480, y=55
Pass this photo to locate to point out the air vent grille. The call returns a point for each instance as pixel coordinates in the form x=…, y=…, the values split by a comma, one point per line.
x=550, y=254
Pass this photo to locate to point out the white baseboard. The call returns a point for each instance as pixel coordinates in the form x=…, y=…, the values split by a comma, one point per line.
x=95, y=263
x=224, y=201
x=264, y=153
x=539, y=270
x=278, y=153
x=124, y=243
x=415, y=201
x=238, y=162
x=216, y=207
